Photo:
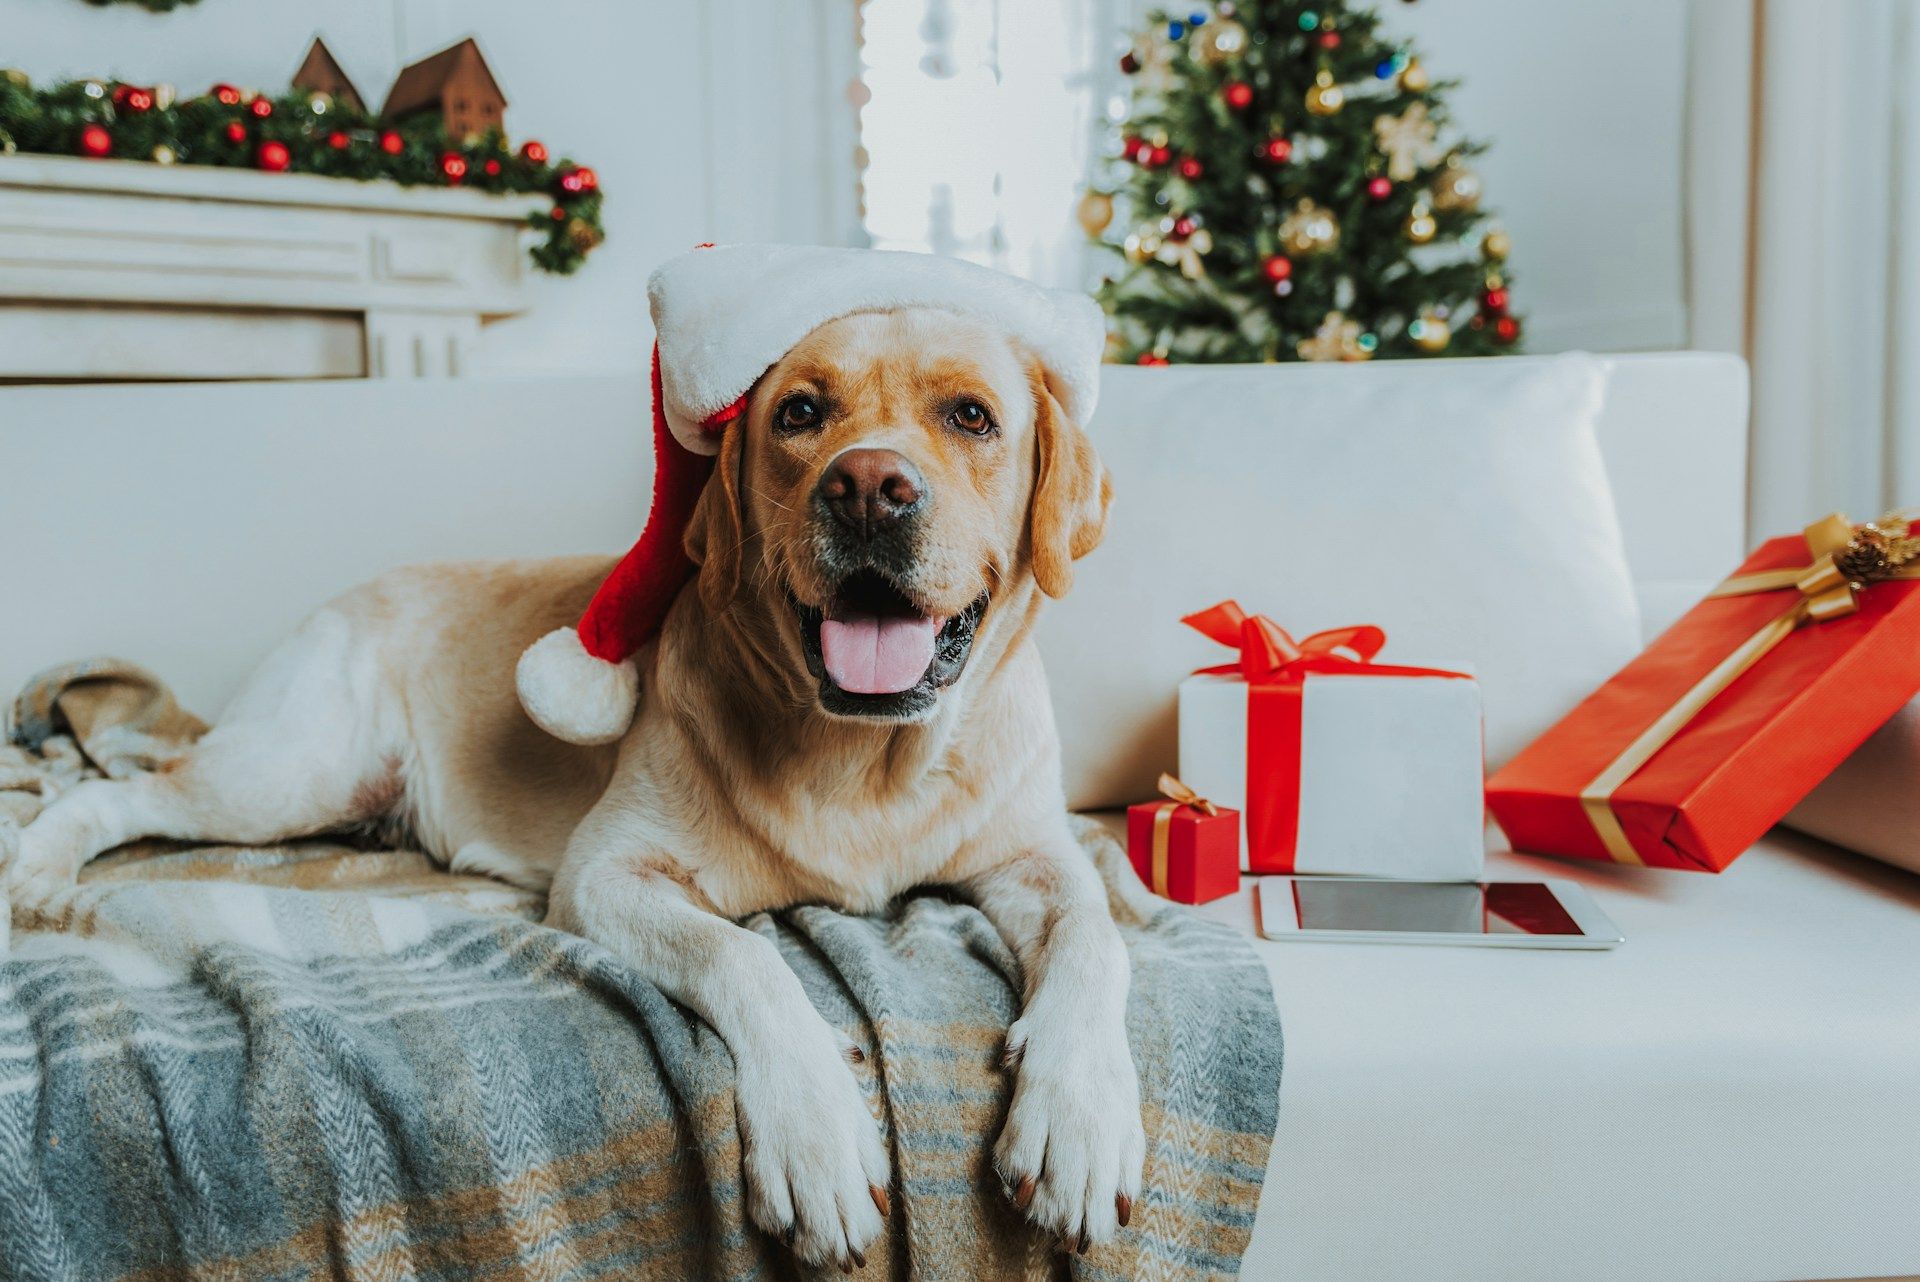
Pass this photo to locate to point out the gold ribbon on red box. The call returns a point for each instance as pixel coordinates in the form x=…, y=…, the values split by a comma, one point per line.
x=1846, y=560
x=1179, y=795
x=1275, y=668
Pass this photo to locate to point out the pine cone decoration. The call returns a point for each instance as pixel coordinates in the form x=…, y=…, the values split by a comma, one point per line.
x=1867, y=558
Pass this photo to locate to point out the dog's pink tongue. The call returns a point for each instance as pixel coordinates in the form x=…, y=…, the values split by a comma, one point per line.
x=877, y=653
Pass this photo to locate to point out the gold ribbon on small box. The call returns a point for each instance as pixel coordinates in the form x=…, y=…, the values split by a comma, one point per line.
x=1847, y=561
x=1180, y=795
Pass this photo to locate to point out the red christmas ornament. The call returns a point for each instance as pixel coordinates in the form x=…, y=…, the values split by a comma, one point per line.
x=1277, y=268
x=1191, y=168
x=392, y=143
x=453, y=166
x=120, y=93
x=339, y=141
x=261, y=107
x=589, y=181
x=1278, y=150
x=1157, y=157
x=1506, y=329
x=1238, y=93
x=227, y=94
x=137, y=100
x=571, y=183
x=96, y=141
x=492, y=168
x=1150, y=358
x=1329, y=39
x=236, y=133
x=534, y=152
x=559, y=215
x=1183, y=227
x=1494, y=300
x=1129, y=63
x=1379, y=187
x=272, y=156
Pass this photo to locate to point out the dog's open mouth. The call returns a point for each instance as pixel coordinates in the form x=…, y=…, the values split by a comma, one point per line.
x=877, y=653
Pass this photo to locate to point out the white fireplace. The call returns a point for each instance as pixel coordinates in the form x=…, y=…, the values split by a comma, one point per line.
x=115, y=270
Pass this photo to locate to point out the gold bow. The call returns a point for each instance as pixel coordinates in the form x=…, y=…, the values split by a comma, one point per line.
x=1163, y=824
x=1845, y=562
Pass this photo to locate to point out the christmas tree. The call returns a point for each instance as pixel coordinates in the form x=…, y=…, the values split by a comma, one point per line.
x=1287, y=187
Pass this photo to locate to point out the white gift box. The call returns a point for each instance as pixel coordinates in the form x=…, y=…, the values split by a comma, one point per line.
x=1390, y=773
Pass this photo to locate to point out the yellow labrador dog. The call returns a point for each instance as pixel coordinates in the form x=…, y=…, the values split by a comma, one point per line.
x=845, y=704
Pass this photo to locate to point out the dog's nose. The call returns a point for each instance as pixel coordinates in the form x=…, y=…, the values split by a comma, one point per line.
x=869, y=489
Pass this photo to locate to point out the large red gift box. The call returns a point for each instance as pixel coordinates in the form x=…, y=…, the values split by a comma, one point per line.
x=1691, y=752
x=1186, y=849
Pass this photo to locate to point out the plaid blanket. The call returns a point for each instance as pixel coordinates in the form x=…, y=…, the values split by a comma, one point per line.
x=313, y=1061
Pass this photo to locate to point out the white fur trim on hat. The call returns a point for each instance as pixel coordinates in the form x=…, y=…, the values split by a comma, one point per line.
x=571, y=694
x=725, y=315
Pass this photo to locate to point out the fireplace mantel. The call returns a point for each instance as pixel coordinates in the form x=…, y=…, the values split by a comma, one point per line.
x=127, y=270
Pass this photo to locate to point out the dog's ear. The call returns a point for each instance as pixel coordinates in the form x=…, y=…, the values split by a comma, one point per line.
x=1071, y=491
x=716, y=532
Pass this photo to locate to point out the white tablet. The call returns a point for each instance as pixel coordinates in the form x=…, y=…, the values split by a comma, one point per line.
x=1495, y=914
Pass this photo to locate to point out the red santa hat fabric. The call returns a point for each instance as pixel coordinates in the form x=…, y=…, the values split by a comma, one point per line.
x=723, y=316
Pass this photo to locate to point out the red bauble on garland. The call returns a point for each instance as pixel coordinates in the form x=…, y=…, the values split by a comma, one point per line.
x=1191, y=168
x=392, y=143
x=492, y=168
x=273, y=156
x=1238, y=93
x=1277, y=267
x=534, y=152
x=1150, y=358
x=453, y=166
x=339, y=141
x=261, y=107
x=236, y=133
x=227, y=94
x=571, y=182
x=589, y=181
x=134, y=100
x=96, y=141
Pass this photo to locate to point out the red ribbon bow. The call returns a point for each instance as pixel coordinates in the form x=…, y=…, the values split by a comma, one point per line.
x=1270, y=656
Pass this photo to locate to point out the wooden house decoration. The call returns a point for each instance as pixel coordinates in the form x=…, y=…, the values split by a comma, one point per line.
x=458, y=85
x=321, y=72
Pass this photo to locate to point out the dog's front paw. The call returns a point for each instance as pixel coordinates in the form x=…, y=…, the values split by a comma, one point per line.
x=815, y=1164
x=1072, y=1150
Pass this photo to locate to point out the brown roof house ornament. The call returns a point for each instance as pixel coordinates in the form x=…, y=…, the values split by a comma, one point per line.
x=321, y=72
x=455, y=83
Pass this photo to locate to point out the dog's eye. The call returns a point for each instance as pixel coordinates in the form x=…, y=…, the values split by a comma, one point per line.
x=797, y=414
x=971, y=417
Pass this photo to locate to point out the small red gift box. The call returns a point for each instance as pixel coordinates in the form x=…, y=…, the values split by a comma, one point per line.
x=1186, y=849
x=1686, y=756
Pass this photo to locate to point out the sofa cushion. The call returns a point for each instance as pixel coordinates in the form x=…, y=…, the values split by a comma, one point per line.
x=1462, y=505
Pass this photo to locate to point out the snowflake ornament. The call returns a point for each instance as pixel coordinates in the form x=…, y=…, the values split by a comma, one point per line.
x=1407, y=141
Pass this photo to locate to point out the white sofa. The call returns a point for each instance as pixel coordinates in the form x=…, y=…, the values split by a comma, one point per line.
x=1734, y=1094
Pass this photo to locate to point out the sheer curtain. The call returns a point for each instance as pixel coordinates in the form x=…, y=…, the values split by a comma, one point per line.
x=975, y=125
x=1834, y=319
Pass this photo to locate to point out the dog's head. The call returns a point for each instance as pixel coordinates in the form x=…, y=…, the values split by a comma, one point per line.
x=896, y=479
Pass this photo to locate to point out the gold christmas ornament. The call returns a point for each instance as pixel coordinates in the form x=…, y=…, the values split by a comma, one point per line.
x=164, y=96
x=1094, y=212
x=1414, y=78
x=1141, y=246
x=1456, y=189
x=1406, y=141
x=1421, y=226
x=1219, y=41
x=164, y=155
x=1495, y=245
x=1309, y=229
x=1337, y=339
x=1325, y=98
x=1430, y=331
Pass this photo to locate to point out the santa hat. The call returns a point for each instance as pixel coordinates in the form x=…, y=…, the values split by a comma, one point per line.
x=723, y=317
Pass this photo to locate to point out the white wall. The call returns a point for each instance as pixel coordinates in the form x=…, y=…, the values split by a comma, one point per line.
x=706, y=119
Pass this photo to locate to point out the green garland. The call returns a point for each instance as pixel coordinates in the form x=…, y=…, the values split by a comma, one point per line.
x=299, y=133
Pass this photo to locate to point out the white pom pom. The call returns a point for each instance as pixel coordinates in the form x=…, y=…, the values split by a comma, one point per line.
x=572, y=695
